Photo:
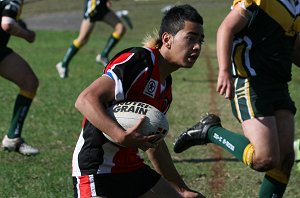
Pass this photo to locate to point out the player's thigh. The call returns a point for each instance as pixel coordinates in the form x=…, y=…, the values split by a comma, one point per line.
x=286, y=129
x=14, y=68
x=254, y=105
x=162, y=189
x=86, y=29
x=262, y=133
x=111, y=19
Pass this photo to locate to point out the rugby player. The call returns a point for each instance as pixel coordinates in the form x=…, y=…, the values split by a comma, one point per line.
x=15, y=69
x=95, y=10
x=256, y=45
x=104, y=169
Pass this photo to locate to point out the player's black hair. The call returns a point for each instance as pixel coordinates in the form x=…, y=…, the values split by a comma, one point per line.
x=172, y=22
x=174, y=19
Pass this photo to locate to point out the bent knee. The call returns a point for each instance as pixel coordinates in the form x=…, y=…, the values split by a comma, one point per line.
x=120, y=29
x=34, y=83
x=80, y=41
x=263, y=164
x=30, y=83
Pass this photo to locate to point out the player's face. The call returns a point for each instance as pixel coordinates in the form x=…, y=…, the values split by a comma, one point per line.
x=186, y=45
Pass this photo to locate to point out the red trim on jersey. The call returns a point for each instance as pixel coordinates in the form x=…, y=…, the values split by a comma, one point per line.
x=84, y=186
x=122, y=58
x=83, y=122
x=126, y=156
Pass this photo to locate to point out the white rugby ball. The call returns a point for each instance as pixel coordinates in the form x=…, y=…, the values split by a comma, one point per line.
x=127, y=114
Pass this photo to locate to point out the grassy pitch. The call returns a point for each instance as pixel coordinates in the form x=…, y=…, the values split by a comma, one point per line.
x=53, y=124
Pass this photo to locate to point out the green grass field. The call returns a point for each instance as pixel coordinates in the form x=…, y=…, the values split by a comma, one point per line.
x=53, y=124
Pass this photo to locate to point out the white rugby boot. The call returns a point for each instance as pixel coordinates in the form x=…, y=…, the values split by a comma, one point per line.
x=18, y=145
x=124, y=14
x=62, y=71
x=101, y=59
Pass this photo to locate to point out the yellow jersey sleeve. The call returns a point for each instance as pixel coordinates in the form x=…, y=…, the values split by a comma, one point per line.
x=245, y=3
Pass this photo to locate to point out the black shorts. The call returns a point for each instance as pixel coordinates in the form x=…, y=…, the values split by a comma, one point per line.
x=4, y=51
x=95, y=12
x=255, y=99
x=125, y=185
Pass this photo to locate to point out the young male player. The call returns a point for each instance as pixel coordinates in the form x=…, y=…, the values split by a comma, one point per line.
x=102, y=168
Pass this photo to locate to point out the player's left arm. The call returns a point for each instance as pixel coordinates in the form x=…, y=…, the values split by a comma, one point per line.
x=296, y=51
x=11, y=26
x=162, y=162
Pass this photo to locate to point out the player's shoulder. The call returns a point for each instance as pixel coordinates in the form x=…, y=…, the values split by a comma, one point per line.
x=138, y=52
x=134, y=54
x=14, y=5
x=11, y=7
x=132, y=60
x=144, y=54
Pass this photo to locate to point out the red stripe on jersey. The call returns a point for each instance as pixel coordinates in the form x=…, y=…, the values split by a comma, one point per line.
x=84, y=186
x=126, y=156
x=119, y=59
x=83, y=122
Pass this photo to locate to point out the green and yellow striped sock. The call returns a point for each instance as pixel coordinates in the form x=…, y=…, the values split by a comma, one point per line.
x=71, y=52
x=21, y=108
x=235, y=143
x=112, y=41
x=274, y=184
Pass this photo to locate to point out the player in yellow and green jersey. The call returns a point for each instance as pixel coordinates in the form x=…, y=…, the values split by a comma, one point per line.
x=95, y=10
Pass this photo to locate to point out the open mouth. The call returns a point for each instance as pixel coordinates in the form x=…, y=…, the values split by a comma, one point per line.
x=193, y=57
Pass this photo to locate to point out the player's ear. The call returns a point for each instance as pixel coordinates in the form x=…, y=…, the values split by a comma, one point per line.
x=166, y=40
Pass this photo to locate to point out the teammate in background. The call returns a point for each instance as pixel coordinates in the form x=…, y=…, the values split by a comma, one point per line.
x=95, y=10
x=102, y=168
x=260, y=39
x=297, y=153
x=14, y=68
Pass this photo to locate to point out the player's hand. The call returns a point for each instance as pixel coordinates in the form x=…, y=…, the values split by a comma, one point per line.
x=134, y=139
x=30, y=36
x=225, y=85
x=109, y=4
x=191, y=194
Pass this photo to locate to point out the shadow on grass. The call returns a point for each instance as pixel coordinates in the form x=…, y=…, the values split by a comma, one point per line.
x=206, y=160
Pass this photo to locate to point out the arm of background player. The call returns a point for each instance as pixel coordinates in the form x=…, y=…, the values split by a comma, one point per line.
x=296, y=52
x=233, y=23
x=11, y=26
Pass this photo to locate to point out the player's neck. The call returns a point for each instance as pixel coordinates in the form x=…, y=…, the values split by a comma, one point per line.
x=165, y=67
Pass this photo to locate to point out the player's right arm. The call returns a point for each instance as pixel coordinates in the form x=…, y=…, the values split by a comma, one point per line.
x=233, y=23
x=92, y=103
x=11, y=26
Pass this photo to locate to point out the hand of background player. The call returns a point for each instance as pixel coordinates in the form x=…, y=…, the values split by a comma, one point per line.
x=225, y=84
x=30, y=36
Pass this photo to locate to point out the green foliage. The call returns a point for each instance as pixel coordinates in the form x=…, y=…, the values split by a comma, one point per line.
x=53, y=124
